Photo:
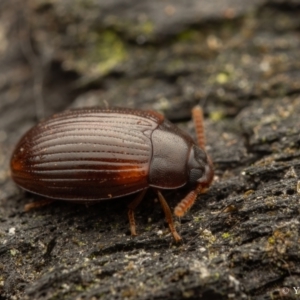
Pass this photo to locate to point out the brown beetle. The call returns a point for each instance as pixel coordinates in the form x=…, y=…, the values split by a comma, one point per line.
x=96, y=154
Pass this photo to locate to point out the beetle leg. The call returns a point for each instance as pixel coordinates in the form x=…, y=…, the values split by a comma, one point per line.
x=131, y=207
x=37, y=204
x=168, y=215
x=197, y=114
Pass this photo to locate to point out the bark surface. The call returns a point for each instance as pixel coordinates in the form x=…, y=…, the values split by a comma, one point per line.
x=241, y=61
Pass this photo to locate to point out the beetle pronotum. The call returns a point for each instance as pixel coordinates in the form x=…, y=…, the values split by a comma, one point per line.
x=95, y=154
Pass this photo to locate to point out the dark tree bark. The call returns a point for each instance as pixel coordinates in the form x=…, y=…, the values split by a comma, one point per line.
x=241, y=61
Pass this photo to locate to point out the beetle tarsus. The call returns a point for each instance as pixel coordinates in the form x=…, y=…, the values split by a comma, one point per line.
x=168, y=215
x=37, y=204
x=131, y=207
x=132, y=222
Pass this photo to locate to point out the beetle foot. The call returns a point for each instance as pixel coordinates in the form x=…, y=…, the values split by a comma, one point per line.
x=175, y=234
x=37, y=204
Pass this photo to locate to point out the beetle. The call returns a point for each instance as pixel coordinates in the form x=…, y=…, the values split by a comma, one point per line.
x=95, y=154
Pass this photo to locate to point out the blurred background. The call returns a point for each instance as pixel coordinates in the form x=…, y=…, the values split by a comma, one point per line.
x=239, y=59
x=164, y=55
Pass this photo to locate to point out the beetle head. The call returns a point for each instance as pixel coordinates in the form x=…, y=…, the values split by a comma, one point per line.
x=200, y=168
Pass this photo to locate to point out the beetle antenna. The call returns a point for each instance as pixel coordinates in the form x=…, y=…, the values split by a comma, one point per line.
x=197, y=114
x=185, y=204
